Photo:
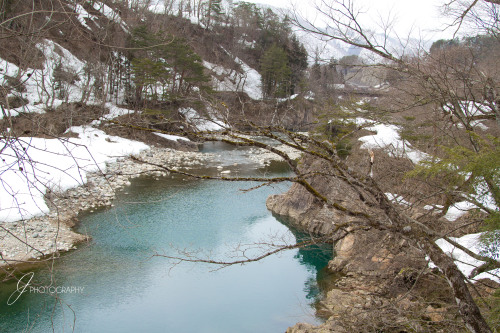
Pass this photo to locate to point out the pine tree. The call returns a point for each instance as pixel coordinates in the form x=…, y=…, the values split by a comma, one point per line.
x=276, y=73
x=297, y=57
x=149, y=77
x=164, y=67
x=187, y=68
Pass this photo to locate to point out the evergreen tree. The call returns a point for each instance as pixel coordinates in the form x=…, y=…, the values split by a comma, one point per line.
x=276, y=73
x=187, y=67
x=297, y=58
x=149, y=68
x=164, y=66
x=150, y=76
x=247, y=15
x=274, y=30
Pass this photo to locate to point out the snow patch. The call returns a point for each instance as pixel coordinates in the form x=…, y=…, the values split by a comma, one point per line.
x=252, y=85
x=459, y=209
x=171, y=137
x=82, y=14
x=388, y=138
x=202, y=123
x=292, y=97
x=110, y=14
x=40, y=88
x=464, y=262
x=248, y=82
x=115, y=111
x=397, y=199
x=32, y=166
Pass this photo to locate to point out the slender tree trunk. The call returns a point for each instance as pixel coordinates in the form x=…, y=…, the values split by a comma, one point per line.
x=424, y=239
x=466, y=304
x=209, y=15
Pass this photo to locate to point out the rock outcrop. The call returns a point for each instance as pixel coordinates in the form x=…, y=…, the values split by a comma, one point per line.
x=384, y=281
x=306, y=213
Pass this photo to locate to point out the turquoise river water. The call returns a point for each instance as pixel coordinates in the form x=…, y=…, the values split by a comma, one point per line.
x=115, y=284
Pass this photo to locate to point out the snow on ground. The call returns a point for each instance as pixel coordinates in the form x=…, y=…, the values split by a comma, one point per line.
x=253, y=81
x=7, y=69
x=114, y=112
x=81, y=15
x=248, y=82
x=464, y=262
x=281, y=100
x=458, y=209
x=202, y=123
x=41, y=90
x=471, y=109
x=309, y=96
x=397, y=199
x=482, y=195
x=231, y=80
x=479, y=124
x=388, y=138
x=171, y=137
x=432, y=207
x=31, y=166
x=110, y=14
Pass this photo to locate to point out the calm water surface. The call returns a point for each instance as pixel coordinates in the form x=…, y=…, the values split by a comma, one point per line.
x=127, y=289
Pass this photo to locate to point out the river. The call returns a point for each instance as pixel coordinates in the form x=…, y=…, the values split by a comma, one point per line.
x=116, y=284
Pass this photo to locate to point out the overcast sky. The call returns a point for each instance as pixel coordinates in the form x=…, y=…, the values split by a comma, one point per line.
x=422, y=17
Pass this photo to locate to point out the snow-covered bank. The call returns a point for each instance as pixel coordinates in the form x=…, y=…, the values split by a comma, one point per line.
x=88, y=181
x=32, y=166
x=44, y=235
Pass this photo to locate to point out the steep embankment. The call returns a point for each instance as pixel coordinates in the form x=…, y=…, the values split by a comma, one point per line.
x=379, y=281
x=370, y=265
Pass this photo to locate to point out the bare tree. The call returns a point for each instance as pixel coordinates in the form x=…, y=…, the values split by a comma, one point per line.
x=451, y=86
x=433, y=83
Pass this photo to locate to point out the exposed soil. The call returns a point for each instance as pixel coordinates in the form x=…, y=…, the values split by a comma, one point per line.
x=53, y=123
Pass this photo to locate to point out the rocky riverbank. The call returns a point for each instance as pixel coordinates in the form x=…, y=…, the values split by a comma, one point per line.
x=43, y=237
x=378, y=281
x=47, y=236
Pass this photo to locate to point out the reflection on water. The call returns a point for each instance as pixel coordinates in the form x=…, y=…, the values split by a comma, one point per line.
x=128, y=289
x=316, y=258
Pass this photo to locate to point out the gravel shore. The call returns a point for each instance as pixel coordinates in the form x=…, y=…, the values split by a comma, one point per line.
x=47, y=236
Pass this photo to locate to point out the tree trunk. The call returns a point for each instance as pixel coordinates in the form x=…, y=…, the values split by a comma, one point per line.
x=424, y=239
x=468, y=308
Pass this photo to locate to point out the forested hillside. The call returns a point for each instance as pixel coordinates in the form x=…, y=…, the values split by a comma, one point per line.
x=394, y=157
x=129, y=55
